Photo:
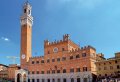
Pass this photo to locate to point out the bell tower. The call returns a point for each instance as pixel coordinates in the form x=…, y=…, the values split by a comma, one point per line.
x=26, y=34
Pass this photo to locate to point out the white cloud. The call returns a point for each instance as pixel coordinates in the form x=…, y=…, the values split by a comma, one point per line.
x=5, y=39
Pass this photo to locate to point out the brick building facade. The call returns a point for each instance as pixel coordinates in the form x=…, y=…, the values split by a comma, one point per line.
x=62, y=61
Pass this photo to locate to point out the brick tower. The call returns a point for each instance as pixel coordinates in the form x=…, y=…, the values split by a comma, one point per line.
x=26, y=35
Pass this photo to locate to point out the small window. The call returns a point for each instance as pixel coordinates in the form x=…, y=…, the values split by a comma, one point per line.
x=84, y=68
x=53, y=71
x=53, y=60
x=109, y=62
x=118, y=67
x=48, y=60
x=63, y=49
x=104, y=63
x=42, y=72
x=116, y=61
x=99, y=68
x=37, y=72
x=78, y=70
x=78, y=56
x=48, y=72
x=83, y=54
x=42, y=61
x=33, y=62
x=63, y=58
x=71, y=57
x=37, y=62
x=48, y=52
x=58, y=71
x=105, y=68
x=71, y=70
x=64, y=70
x=29, y=11
x=24, y=10
x=105, y=74
x=111, y=67
x=33, y=72
x=58, y=59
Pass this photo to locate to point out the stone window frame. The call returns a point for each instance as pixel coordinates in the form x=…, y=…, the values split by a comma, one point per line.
x=42, y=61
x=78, y=69
x=48, y=60
x=116, y=61
x=33, y=72
x=72, y=70
x=48, y=52
x=118, y=66
x=53, y=60
x=77, y=56
x=53, y=71
x=85, y=68
x=105, y=68
x=111, y=67
x=64, y=58
x=33, y=62
x=64, y=71
x=37, y=62
x=48, y=71
x=63, y=49
x=58, y=71
x=71, y=57
x=84, y=54
x=58, y=59
x=37, y=72
x=42, y=72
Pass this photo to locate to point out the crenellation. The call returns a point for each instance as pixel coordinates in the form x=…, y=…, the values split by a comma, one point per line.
x=66, y=37
x=37, y=57
x=75, y=50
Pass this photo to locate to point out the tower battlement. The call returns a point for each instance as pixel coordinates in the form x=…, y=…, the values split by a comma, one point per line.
x=66, y=38
x=87, y=47
x=36, y=57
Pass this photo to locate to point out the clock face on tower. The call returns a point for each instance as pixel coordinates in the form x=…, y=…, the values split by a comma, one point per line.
x=23, y=56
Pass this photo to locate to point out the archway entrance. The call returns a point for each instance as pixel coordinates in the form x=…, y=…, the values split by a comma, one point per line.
x=19, y=76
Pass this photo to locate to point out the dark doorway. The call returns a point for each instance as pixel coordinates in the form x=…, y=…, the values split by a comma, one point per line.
x=85, y=80
x=33, y=80
x=64, y=80
x=18, y=77
x=53, y=80
x=48, y=80
x=72, y=80
x=28, y=80
x=78, y=79
x=38, y=80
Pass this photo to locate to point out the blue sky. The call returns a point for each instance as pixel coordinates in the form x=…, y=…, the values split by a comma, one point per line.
x=89, y=22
